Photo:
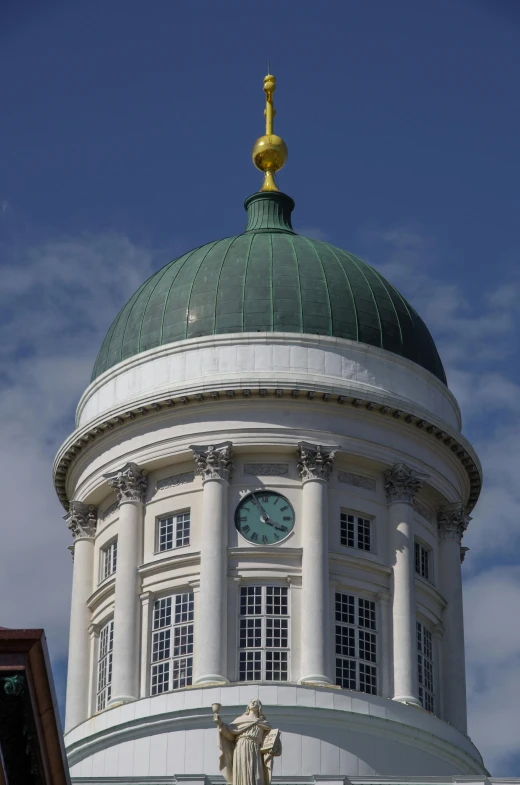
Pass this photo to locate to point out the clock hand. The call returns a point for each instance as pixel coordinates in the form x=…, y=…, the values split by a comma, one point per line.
x=265, y=514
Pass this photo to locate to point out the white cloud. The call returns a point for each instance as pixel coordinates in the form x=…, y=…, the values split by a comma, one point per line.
x=478, y=342
x=493, y=653
x=56, y=303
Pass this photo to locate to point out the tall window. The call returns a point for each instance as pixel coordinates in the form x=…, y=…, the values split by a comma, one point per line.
x=356, y=643
x=355, y=531
x=108, y=560
x=172, y=643
x=173, y=531
x=423, y=561
x=104, y=681
x=425, y=667
x=264, y=633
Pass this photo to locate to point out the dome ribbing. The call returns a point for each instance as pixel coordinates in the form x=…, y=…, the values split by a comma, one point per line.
x=268, y=279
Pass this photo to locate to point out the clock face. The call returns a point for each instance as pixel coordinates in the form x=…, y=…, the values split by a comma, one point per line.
x=264, y=517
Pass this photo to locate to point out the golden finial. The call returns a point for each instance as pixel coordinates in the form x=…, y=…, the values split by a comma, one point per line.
x=269, y=151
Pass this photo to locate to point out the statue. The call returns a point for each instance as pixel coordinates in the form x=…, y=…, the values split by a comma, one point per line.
x=247, y=746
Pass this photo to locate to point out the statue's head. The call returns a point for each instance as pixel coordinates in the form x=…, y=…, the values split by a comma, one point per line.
x=254, y=707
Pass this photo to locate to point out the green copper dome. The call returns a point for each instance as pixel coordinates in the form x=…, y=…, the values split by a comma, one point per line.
x=268, y=279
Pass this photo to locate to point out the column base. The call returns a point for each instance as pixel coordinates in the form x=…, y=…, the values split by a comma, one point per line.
x=316, y=680
x=409, y=700
x=210, y=679
x=118, y=700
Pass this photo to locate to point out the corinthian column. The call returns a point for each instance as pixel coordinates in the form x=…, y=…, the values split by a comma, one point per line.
x=401, y=485
x=130, y=484
x=315, y=464
x=81, y=520
x=214, y=465
x=452, y=523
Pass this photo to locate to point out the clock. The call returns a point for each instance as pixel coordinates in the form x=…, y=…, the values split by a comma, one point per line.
x=264, y=517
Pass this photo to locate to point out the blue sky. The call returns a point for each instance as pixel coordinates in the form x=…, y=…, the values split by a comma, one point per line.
x=125, y=140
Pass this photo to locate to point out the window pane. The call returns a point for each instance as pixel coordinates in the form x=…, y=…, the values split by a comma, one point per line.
x=367, y=614
x=276, y=666
x=182, y=672
x=346, y=673
x=160, y=678
x=172, y=643
x=266, y=626
x=276, y=600
x=345, y=609
x=367, y=646
x=165, y=534
x=422, y=560
x=183, y=530
x=276, y=633
x=356, y=643
x=363, y=532
x=162, y=613
x=250, y=633
x=250, y=600
x=425, y=667
x=250, y=665
x=104, y=685
x=161, y=645
x=367, y=678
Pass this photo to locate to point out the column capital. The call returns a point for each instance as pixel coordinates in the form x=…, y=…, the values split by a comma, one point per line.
x=463, y=552
x=315, y=462
x=129, y=483
x=452, y=522
x=213, y=461
x=81, y=520
x=402, y=484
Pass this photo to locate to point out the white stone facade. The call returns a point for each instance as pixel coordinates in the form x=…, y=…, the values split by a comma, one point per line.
x=339, y=429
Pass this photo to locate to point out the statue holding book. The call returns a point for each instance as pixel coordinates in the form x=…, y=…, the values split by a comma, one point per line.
x=247, y=746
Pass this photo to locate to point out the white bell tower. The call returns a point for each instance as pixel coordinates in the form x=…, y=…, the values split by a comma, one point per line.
x=267, y=488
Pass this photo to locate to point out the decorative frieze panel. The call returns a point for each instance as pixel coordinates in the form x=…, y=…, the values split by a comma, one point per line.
x=266, y=469
x=421, y=510
x=174, y=480
x=213, y=461
x=452, y=521
x=82, y=519
x=357, y=480
x=315, y=462
x=110, y=510
x=402, y=483
x=130, y=483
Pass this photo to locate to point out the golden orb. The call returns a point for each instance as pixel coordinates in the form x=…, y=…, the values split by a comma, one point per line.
x=269, y=153
x=269, y=83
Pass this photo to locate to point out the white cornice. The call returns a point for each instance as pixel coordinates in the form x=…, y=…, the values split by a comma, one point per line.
x=441, y=436
x=173, y=562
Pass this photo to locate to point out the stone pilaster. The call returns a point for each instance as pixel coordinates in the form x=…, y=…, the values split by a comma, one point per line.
x=452, y=522
x=315, y=465
x=82, y=521
x=214, y=464
x=130, y=484
x=401, y=485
